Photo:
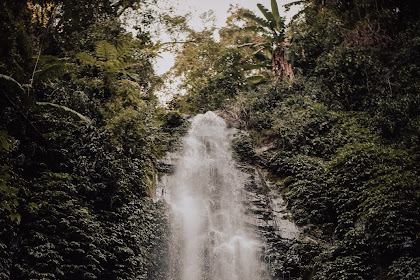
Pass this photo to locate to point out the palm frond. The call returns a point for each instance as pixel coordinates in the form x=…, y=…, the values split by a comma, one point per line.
x=279, y=39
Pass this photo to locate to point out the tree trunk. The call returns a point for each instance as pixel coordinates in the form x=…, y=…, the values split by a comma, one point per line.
x=281, y=66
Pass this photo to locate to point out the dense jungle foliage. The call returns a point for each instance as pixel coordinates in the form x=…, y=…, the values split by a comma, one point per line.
x=81, y=132
x=341, y=140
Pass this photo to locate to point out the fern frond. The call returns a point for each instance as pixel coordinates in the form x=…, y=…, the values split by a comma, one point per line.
x=128, y=65
x=105, y=51
x=5, y=140
x=109, y=66
x=85, y=58
x=50, y=72
x=50, y=68
x=123, y=50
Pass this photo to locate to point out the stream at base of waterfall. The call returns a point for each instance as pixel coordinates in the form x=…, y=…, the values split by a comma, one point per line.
x=210, y=236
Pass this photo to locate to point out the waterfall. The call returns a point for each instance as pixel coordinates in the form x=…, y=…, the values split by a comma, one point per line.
x=209, y=236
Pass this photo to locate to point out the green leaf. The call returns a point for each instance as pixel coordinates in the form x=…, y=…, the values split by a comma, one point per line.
x=275, y=10
x=33, y=206
x=256, y=79
x=295, y=3
x=258, y=20
x=256, y=66
x=85, y=58
x=5, y=140
x=15, y=216
x=50, y=72
x=260, y=56
x=277, y=17
x=105, y=51
x=254, y=28
x=123, y=50
x=267, y=14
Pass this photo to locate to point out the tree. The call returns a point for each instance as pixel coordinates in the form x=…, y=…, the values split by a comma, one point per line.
x=275, y=46
x=211, y=73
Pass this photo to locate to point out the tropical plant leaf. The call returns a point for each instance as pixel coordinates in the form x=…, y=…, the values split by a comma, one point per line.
x=267, y=14
x=50, y=72
x=123, y=50
x=262, y=22
x=5, y=140
x=85, y=58
x=276, y=15
x=105, y=51
x=296, y=16
x=291, y=4
x=254, y=28
x=15, y=216
x=260, y=56
x=256, y=79
x=275, y=10
x=279, y=39
x=50, y=68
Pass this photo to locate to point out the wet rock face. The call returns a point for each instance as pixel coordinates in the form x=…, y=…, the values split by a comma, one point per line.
x=267, y=209
x=268, y=216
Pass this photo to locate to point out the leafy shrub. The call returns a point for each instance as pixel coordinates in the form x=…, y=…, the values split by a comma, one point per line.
x=353, y=78
x=405, y=268
x=302, y=125
x=244, y=149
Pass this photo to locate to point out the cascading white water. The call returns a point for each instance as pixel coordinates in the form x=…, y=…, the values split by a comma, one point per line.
x=209, y=238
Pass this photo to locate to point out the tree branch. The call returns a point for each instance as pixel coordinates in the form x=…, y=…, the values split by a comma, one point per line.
x=180, y=42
